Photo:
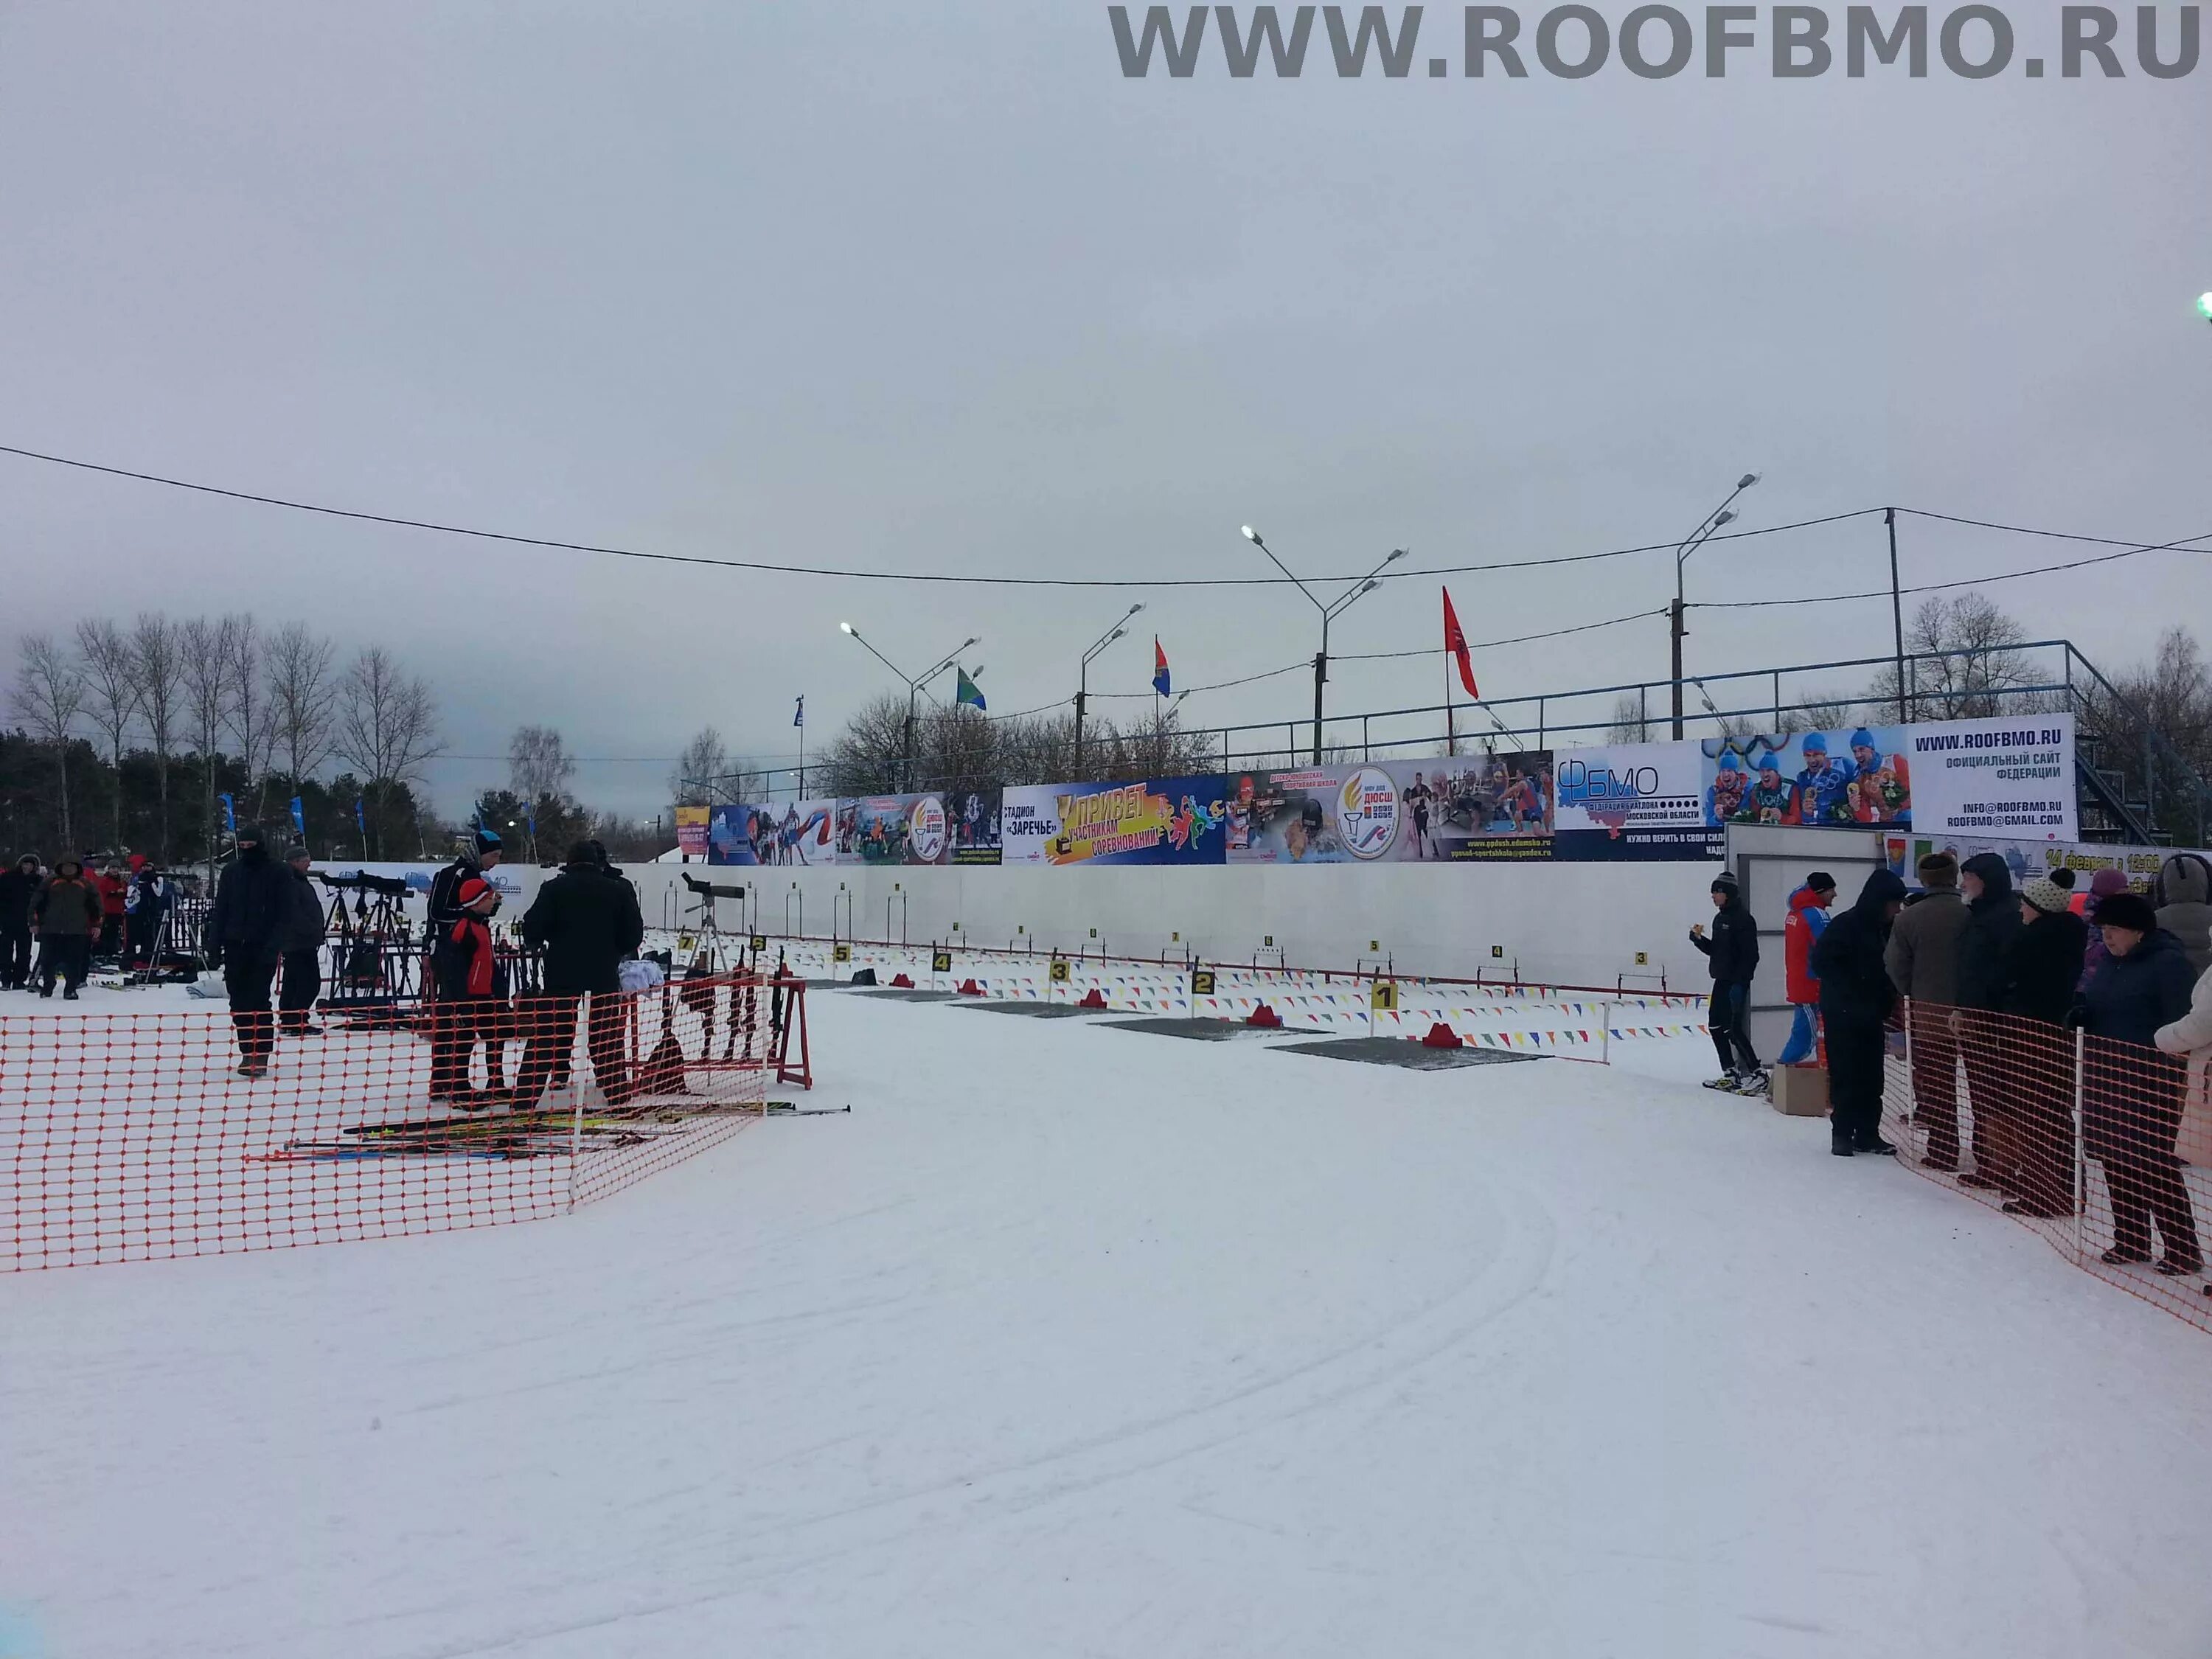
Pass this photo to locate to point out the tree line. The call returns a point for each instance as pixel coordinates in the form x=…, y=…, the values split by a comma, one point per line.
x=129, y=734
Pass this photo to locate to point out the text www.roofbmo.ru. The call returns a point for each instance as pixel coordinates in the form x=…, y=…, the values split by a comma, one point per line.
x=1573, y=42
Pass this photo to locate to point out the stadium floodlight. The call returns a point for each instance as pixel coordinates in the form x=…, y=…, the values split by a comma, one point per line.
x=1330, y=610
x=2204, y=304
x=848, y=627
x=1723, y=514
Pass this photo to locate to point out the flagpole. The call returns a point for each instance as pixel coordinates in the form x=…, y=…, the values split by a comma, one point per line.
x=1451, y=741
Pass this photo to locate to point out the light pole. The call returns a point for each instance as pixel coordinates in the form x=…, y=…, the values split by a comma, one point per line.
x=1083, y=677
x=1329, y=612
x=1696, y=539
x=914, y=685
x=2204, y=304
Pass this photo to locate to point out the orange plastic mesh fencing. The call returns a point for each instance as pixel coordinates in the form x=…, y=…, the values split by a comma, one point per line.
x=137, y=1136
x=2104, y=1147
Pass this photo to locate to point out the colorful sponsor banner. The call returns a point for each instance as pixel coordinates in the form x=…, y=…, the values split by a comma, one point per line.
x=2012, y=778
x=743, y=834
x=1860, y=778
x=1455, y=809
x=692, y=831
x=803, y=832
x=1313, y=815
x=977, y=817
x=2029, y=858
x=1154, y=821
x=1634, y=800
x=900, y=830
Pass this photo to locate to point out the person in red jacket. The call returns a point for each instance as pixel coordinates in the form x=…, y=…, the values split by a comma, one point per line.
x=468, y=1007
x=1807, y=917
x=115, y=888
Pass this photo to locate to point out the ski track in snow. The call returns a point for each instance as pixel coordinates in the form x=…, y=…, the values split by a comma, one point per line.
x=1068, y=1342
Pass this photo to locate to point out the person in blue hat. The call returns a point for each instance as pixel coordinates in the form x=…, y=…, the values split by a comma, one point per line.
x=1725, y=799
x=1824, y=786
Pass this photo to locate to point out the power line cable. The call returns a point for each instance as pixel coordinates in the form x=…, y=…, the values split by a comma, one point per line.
x=2125, y=552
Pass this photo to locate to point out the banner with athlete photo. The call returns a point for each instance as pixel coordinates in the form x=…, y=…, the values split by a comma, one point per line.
x=1634, y=800
x=804, y=833
x=1178, y=821
x=1313, y=815
x=1861, y=778
x=2010, y=777
x=742, y=834
x=895, y=829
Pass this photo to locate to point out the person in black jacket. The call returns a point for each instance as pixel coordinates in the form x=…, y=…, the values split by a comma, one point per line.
x=1993, y=917
x=483, y=852
x=1732, y=953
x=1856, y=996
x=2039, y=969
x=2133, y=1091
x=585, y=919
x=303, y=981
x=246, y=929
x=19, y=884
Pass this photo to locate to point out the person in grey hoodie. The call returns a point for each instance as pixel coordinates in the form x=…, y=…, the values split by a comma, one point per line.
x=2184, y=906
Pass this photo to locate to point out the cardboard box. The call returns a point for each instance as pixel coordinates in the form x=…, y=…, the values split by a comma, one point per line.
x=1799, y=1090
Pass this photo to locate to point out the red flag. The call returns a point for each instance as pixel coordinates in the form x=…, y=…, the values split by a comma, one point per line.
x=1456, y=642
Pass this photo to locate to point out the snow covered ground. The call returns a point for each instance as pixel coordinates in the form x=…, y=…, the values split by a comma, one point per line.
x=1076, y=1341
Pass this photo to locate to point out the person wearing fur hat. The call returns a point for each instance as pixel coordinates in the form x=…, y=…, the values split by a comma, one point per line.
x=1732, y=953
x=2134, y=1090
x=468, y=1008
x=2102, y=885
x=2041, y=966
x=66, y=917
x=1922, y=960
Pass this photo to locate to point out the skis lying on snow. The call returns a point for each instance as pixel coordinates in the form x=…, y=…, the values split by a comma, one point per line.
x=535, y=1132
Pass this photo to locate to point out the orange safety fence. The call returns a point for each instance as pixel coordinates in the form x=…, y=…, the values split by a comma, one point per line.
x=130, y=1137
x=2102, y=1147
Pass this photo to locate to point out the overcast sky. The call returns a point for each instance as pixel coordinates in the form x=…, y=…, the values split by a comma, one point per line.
x=934, y=287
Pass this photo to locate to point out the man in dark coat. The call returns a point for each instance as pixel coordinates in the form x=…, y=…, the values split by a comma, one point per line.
x=66, y=916
x=2040, y=967
x=585, y=919
x=247, y=927
x=1732, y=953
x=1922, y=959
x=149, y=905
x=1855, y=999
x=2134, y=1092
x=1993, y=917
x=302, y=980
x=19, y=885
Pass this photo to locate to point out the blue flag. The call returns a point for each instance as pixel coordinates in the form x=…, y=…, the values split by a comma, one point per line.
x=299, y=818
x=360, y=822
x=530, y=816
x=229, y=814
x=1159, y=667
x=798, y=714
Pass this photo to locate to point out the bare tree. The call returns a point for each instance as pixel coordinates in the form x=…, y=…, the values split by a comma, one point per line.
x=204, y=651
x=1966, y=661
x=50, y=695
x=249, y=704
x=869, y=756
x=538, y=764
x=303, y=688
x=2153, y=726
x=705, y=760
x=159, y=668
x=387, y=723
x=109, y=674
x=1630, y=722
x=1821, y=711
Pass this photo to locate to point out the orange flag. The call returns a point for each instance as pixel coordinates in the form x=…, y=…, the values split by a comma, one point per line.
x=1456, y=642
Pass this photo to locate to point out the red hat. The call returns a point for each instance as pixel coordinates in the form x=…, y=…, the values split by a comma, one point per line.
x=473, y=888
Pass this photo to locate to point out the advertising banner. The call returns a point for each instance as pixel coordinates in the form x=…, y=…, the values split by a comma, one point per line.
x=692, y=831
x=1634, y=800
x=977, y=835
x=803, y=832
x=2027, y=859
x=737, y=833
x=1446, y=809
x=1156, y=821
x=1859, y=778
x=899, y=830
x=2011, y=777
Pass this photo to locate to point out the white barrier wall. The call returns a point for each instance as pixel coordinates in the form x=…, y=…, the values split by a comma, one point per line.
x=1579, y=924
